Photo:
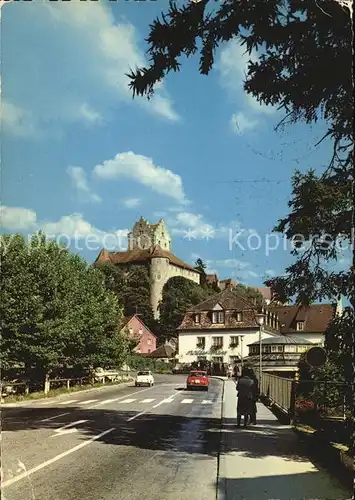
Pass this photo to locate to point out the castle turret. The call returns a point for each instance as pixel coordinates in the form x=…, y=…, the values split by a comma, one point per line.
x=159, y=274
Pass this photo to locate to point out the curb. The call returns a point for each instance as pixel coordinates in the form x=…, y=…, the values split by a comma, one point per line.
x=221, y=482
x=64, y=394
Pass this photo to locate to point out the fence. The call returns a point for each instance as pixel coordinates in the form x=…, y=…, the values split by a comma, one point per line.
x=22, y=388
x=323, y=405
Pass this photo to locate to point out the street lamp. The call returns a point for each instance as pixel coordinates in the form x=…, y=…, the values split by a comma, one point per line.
x=241, y=350
x=260, y=321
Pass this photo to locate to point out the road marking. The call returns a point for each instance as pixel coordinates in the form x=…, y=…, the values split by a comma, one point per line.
x=187, y=401
x=126, y=401
x=147, y=400
x=68, y=429
x=45, y=402
x=206, y=402
x=105, y=402
x=167, y=400
x=68, y=402
x=88, y=401
x=123, y=397
x=55, y=416
x=29, y=472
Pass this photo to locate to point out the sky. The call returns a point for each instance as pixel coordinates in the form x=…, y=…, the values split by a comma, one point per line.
x=82, y=160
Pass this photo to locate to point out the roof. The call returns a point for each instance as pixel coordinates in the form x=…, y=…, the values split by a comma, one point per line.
x=231, y=302
x=281, y=340
x=138, y=255
x=163, y=351
x=316, y=317
x=228, y=299
x=127, y=319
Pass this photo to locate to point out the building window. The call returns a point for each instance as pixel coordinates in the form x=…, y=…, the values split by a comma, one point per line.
x=217, y=342
x=218, y=317
x=149, y=351
x=131, y=331
x=234, y=341
x=201, y=342
x=149, y=341
x=197, y=318
x=300, y=326
x=239, y=317
x=140, y=331
x=266, y=349
x=280, y=348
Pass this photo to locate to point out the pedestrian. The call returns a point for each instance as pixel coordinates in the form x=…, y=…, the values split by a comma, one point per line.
x=245, y=397
x=255, y=392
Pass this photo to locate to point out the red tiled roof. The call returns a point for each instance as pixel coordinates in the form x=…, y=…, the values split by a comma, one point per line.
x=316, y=317
x=139, y=255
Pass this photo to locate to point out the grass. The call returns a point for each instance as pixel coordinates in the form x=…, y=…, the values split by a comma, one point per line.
x=61, y=390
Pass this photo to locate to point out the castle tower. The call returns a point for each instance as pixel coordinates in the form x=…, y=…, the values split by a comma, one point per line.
x=145, y=235
x=159, y=274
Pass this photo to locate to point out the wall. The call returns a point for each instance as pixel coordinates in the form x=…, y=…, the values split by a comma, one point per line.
x=160, y=272
x=147, y=341
x=188, y=341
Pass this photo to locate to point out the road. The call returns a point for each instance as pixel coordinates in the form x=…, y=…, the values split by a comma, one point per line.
x=115, y=443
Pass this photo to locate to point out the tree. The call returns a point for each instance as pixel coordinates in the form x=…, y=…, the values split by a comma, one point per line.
x=56, y=311
x=179, y=294
x=132, y=287
x=200, y=266
x=297, y=43
x=250, y=294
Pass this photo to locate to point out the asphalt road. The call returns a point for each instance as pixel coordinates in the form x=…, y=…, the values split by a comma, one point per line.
x=115, y=443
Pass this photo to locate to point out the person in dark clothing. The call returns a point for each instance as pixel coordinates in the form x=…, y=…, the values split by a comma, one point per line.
x=255, y=394
x=245, y=397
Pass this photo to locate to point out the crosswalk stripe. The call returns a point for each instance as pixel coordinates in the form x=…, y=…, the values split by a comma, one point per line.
x=88, y=401
x=105, y=402
x=68, y=402
x=207, y=402
x=147, y=400
x=128, y=400
x=187, y=401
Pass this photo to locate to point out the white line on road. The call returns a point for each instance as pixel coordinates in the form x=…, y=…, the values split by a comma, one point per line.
x=105, y=402
x=68, y=402
x=187, y=401
x=127, y=401
x=147, y=400
x=55, y=416
x=123, y=397
x=88, y=401
x=68, y=429
x=206, y=402
x=29, y=472
x=167, y=400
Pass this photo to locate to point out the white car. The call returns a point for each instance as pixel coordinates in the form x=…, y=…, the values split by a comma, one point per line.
x=144, y=377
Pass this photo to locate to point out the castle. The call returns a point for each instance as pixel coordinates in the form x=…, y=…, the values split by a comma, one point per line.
x=149, y=245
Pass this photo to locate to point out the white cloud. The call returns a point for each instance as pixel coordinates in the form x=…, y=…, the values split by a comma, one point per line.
x=192, y=226
x=235, y=263
x=69, y=229
x=270, y=273
x=142, y=169
x=131, y=202
x=240, y=123
x=78, y=75
x=80, y=182
x=17, y=218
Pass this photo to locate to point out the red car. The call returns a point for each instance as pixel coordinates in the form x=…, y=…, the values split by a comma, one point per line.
x=197, y=378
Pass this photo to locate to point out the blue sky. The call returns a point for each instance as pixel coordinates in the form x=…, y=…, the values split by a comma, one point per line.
x=81, y=159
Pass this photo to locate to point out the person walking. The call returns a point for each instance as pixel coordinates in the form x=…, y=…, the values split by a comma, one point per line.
x=245, y=397
x=255, y=393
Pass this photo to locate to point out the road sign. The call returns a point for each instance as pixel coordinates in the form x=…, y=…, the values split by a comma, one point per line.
x=316, y=356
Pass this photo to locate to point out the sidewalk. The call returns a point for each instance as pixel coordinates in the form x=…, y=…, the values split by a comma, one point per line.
x=267, y=461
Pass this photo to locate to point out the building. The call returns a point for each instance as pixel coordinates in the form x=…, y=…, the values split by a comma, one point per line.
x=309, y=323
x=214, y=331
x=165, y=353
x=138, y=330
x=280, y=354
x=149, y=245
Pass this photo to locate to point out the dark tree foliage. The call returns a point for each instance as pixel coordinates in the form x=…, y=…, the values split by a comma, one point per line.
x=132, y=287
x=304, y=68
x=179, y=294
x=250, y=294
x=200, y=266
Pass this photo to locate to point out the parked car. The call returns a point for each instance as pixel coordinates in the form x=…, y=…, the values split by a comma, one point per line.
x=197, y=379
x=144, y=377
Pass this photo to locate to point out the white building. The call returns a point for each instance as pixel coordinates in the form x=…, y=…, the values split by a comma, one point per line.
x=219, y=330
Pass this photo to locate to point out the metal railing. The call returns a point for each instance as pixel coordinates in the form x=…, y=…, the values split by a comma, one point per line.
x=279, y=392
